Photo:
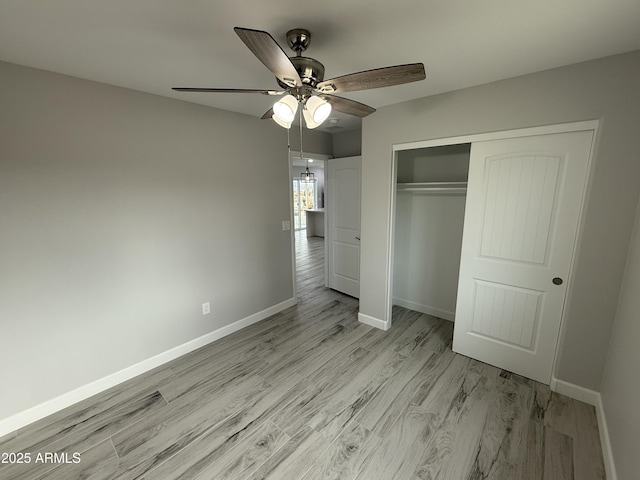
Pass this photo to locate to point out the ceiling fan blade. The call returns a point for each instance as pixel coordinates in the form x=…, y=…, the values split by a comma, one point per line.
x=350, y=107
x=270, y=54
x=376, y=78
x=228, y=90
x=267, y=114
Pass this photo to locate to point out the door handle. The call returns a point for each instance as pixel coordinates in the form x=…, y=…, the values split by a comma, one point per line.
x=557, y=281
x=357, y=238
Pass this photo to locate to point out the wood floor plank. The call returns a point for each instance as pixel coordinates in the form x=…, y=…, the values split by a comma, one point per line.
x=454, y=447
x=410, y=434
x=532, y=457
x=394, y=397
x=349, y=401
x=6, y=438
x=295, y=458
x=247, y=452
x=308, y=408
x=208, y=377
x=98, y=463
x=587, y=452
x=309, y=356
x=558, y=456
x=346, y=456
x=155, y=439
x=559, y=414
x=504, y=435
x=197, y=455
x=441, y=384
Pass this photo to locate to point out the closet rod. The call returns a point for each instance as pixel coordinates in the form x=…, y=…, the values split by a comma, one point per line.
x=434, y=187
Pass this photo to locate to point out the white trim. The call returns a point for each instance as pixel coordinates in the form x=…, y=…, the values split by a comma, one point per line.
x=292, y=233
x=429, y=310
x=326, y=224
x=500, y=135
x=592, y=398
x=574, y=391
x=373, y=321
x=605, y=442
x=22, y=419
x=392, y=238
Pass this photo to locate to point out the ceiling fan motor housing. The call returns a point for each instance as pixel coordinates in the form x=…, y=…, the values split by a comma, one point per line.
x=310, y=70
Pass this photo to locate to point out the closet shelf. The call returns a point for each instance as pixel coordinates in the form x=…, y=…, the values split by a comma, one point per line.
x=445, y=188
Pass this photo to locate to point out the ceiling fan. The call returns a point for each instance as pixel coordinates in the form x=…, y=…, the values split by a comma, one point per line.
x=302, y=80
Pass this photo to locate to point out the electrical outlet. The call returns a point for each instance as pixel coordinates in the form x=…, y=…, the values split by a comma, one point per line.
x=286, y=225
x=206, y=308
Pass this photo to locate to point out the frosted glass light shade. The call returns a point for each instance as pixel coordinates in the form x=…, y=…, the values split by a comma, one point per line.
x=280, y=122
x=285, y=110
x=316, y=111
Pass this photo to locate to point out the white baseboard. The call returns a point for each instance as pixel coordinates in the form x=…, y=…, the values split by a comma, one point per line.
x=574, y=391
x=592, y=398
x=373, y=321
x=54, y=405
x=429, y=310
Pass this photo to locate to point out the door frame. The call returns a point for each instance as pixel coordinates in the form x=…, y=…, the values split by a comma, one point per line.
x=293, y=155
x=592, y=125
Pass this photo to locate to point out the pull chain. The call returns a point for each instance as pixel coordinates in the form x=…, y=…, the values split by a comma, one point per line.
x=301, y=156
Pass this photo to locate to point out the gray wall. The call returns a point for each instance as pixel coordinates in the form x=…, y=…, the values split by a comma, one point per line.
x=449, y=163
x=347, y=144
x=605, y=89
x=120, y=214
x=620, y=385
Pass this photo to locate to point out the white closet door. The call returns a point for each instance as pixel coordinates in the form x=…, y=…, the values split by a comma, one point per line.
x=524, y=199
x=343, y=224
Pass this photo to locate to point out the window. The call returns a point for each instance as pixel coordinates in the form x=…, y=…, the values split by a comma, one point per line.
x=304, y=198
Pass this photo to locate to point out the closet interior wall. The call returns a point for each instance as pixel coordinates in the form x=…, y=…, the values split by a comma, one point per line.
x=429, y=217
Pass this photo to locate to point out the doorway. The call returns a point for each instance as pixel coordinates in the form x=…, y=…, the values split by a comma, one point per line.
x=307, y=201
x=429, y=211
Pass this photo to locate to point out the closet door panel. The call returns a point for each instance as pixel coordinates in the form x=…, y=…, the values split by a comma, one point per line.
x=524, y=199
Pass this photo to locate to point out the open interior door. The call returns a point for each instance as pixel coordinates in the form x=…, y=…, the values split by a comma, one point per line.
x=343, y=224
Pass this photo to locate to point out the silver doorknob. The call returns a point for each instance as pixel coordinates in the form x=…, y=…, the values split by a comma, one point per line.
x=557, y=281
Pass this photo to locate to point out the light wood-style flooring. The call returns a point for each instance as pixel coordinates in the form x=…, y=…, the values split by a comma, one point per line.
x=311, y=393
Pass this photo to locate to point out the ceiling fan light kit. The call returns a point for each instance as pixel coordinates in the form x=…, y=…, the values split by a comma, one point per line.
x=302, y=80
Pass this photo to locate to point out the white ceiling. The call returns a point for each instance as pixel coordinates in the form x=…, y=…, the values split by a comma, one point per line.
x=153, y=45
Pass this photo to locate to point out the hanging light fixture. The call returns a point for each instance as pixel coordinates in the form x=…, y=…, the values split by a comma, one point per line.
x=307, y=176
x=316, y=110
